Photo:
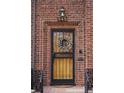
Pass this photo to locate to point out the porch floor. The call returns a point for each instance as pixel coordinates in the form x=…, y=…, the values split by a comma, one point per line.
x=64, y=89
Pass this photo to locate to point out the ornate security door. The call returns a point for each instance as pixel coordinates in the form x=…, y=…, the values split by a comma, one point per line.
x=62, y=56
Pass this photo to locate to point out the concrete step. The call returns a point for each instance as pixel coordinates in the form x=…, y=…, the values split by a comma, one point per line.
x=64, y=89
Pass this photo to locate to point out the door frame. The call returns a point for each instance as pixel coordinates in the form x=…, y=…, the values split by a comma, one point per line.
x=61, y=82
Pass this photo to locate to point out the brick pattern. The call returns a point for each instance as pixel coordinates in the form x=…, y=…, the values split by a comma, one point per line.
x=76, y=11
x=89, y=32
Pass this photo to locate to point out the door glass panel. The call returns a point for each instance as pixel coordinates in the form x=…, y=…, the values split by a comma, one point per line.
x=62, y=42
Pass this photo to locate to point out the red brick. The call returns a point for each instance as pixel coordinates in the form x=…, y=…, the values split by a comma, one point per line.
x=47, y=10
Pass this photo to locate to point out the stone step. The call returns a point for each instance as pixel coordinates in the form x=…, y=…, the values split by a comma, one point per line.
x=64, y=89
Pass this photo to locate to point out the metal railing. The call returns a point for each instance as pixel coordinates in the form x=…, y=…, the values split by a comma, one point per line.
x=32, y=81
x=35, y=86
x=41, y=82
x=88, y=80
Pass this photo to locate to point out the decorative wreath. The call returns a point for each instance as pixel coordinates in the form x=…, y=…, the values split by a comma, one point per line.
x=65, y=44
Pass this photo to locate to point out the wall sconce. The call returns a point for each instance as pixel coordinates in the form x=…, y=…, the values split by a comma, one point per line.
x=62, y=15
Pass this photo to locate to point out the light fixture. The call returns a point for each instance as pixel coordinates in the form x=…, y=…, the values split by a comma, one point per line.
x=62, y=15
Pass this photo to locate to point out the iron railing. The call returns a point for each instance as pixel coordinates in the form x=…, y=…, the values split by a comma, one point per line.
x=88, y=80
x=41, y=82
x=32, y=79
x=35, y=86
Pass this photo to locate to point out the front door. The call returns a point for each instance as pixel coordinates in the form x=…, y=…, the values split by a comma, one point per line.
x=62, y=56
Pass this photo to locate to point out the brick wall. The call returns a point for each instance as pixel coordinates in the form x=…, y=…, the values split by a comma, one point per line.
x=89, y=32
x=44, y=11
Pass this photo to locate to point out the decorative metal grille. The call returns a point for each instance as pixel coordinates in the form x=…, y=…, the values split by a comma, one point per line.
x=63, y=42
x=62, y=55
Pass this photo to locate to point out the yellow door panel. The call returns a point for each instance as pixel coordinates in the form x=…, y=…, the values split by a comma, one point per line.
x=63, y=68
